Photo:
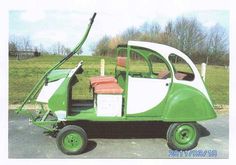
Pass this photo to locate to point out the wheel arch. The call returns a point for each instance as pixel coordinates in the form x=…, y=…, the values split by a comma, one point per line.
x=186, y=104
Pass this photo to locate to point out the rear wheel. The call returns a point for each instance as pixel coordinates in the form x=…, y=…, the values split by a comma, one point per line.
x=72, y=140
x=182, y=136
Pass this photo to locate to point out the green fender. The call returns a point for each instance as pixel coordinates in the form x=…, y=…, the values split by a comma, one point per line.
x=186, y=103
x=59, y=100
x=58, y=74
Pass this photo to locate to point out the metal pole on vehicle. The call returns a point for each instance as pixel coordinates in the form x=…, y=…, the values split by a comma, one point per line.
x=40, y=83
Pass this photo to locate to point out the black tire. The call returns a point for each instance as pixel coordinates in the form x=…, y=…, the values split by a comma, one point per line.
x=72, y=140
x=182, y=136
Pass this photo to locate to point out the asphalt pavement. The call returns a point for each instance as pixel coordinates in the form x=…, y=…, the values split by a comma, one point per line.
x=118, y=140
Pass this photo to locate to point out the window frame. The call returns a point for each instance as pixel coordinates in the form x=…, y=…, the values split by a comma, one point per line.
x=183, y=72
x=147, y=64
x=162, y=59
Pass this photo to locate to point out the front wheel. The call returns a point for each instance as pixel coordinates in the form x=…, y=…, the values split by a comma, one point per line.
x=72, y=140
x=182, y=136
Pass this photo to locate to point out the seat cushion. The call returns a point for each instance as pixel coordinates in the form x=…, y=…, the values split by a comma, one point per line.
x=180, y=76
x=164, y=74
x=101, y=80
x=108, y=88
x=121, y=61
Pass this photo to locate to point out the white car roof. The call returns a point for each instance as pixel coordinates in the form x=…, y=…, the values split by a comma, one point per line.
x=163, y=50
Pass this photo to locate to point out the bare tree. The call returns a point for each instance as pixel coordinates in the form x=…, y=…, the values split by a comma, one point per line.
x=168, y=37
x=131, y=33
x=189, y=35
x=67, y=51
x=185, y=34
x=150, y=31
x=12, y=46
x=102, y=47
x=217, y=40
x=21, y=42
x=13, y=43
x=59, y=49
x=115, y=41
x=26, y=43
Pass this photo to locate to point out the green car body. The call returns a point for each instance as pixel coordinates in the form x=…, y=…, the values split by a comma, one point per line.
x=182, y=103
x=170, y=95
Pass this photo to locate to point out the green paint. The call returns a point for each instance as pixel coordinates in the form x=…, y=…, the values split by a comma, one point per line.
x=185, y=103
x=72, y=141
x=48, y=125
x=59, y=100
x=58, y=74
x=93, y=117
x=126, y=81
x=90, y=115
x=184, y=136
x=121, y=78
x=182, y=103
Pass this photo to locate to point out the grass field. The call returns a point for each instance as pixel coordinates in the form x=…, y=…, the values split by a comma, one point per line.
x=24, y=74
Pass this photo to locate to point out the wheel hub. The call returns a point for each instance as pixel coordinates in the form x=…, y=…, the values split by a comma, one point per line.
x=185, y=134
x=72, y=141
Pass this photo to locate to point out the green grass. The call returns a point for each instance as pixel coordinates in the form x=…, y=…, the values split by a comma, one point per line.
x=217, y=82
x=24, y=74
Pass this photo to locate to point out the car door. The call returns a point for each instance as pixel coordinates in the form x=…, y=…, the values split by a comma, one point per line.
x=148, y=87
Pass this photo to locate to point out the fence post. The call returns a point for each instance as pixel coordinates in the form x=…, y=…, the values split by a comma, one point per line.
x=102, y=71
x=203, y=71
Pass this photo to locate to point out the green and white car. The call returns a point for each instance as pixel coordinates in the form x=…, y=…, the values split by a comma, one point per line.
x=159, y=90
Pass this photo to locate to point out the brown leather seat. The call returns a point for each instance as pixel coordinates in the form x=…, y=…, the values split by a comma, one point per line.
x=101, y=80
x=163, y=74
x=180, y=76
x=121, y=61
x=108, y=88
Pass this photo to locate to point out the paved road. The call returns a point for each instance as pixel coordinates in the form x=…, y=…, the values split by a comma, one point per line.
x=136, y=140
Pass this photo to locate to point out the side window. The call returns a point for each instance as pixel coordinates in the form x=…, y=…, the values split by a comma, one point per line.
x=159, y=68
x=138, y=66
x=181, y=68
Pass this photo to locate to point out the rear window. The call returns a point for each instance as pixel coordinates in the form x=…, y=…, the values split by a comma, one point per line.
x=182, y=70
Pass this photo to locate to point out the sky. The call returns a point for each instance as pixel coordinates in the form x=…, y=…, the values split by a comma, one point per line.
x=49, y=25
